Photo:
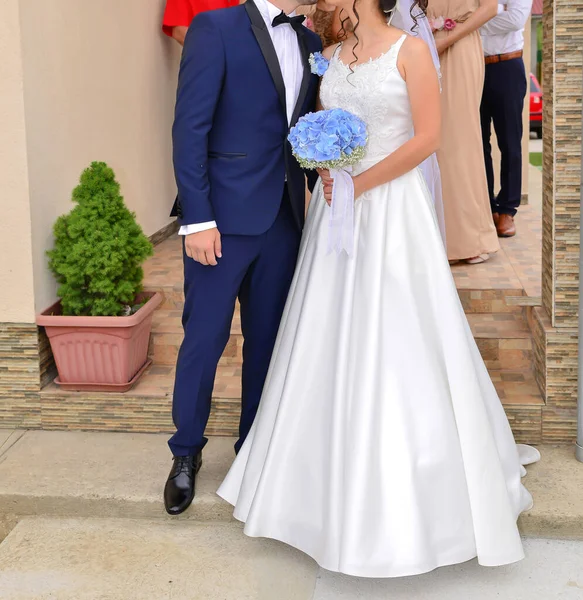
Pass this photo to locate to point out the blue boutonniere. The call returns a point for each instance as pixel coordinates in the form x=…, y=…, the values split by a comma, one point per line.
x=318, y=63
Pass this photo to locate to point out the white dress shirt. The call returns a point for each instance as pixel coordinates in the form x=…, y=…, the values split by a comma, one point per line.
x=505, y=32
x=285, y=41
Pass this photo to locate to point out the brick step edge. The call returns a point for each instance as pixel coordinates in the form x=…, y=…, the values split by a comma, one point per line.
x=525, y=421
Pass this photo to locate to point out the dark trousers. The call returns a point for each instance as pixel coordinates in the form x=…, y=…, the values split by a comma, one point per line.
x=258, y=270
x=502, y=104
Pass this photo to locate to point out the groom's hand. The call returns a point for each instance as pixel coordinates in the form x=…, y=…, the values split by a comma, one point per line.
x=204, y=247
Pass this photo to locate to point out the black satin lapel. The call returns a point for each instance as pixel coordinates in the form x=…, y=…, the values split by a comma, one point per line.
x=267, y=49
x=305, y=79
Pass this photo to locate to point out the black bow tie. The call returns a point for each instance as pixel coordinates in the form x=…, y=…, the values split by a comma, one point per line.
x=295, y=22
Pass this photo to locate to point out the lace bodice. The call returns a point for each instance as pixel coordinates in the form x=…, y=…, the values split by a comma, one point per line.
x=375, y=92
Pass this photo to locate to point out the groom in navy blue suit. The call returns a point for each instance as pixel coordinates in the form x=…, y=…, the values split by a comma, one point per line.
x=244, y=81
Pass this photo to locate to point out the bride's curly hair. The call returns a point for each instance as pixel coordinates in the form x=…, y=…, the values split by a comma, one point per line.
x=386, y=7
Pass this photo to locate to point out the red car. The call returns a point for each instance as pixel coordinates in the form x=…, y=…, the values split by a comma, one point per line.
x=536, y=107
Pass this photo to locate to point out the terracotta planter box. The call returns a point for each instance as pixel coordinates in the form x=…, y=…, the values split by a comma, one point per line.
x=100, y=353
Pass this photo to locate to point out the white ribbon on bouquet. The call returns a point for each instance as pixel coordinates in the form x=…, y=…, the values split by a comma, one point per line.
x=341, y=222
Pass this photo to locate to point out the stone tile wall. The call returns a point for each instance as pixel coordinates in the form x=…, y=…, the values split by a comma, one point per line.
x=562, y=88
x=20, y=375
x=548, y=235
x=555, y=324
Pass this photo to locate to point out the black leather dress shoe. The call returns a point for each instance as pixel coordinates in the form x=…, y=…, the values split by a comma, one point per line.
x=179, y=489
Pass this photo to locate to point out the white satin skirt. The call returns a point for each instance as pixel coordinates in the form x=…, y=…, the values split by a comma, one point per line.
x=380, y=447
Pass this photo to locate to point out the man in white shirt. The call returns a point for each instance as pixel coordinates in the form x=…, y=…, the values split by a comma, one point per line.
x=502, y=104
x=244, y=81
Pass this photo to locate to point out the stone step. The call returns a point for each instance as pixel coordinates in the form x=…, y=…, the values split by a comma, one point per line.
x=525, y=301
x=169, y=321
x=147, y=408
x=504, y=339
x=106, y=475
x=499, y=325
x=488, y=288
x=493, y=304
x=511, y=300
x=516, y=387
x=503, y=300
x=167, y=335
x=523, y=403
x=95, y=559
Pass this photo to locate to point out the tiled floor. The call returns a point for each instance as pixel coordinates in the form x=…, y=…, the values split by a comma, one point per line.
x=516, y=265
x=156, y=382
x=499, y=325
x=164, y=269
x=516, y=387
x=169, y=321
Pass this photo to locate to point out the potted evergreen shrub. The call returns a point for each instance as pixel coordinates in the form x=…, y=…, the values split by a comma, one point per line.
x=100, y=329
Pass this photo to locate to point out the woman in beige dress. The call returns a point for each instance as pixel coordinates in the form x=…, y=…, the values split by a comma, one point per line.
x=471, y=234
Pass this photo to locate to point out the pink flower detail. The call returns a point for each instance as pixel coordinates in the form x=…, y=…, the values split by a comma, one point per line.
x=309, y=24
x=449, y=24
x=437, y=23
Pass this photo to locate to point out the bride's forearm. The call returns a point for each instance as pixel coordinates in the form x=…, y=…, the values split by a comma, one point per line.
x=409, y=156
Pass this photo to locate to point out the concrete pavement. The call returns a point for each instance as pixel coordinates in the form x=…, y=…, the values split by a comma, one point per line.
x=552, y=570
x=123, y=559
x=84, y=520
x=77, y=474
x=69, y=473
x=9, y=437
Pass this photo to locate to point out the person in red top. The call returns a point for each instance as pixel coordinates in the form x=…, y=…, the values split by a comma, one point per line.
x=179, y=14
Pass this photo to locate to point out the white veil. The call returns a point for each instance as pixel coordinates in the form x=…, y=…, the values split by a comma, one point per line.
x=403, y=19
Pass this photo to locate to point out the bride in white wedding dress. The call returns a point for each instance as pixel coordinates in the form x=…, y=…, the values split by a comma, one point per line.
x=380, y=447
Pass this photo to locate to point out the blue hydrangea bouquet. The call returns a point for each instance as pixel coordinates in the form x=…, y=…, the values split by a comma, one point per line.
x=333, y=139
x=328, y=139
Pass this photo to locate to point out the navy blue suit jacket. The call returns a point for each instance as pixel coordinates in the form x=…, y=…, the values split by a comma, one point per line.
x=231, y=154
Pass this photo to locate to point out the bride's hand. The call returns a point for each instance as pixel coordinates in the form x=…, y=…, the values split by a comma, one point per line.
x=327, y=182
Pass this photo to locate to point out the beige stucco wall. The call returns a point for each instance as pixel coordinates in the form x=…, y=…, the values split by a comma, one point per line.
x=16, y=282
x=99, y=84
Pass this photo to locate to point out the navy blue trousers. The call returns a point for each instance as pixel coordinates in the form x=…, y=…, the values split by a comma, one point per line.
x=258, y=270
x=502, y=104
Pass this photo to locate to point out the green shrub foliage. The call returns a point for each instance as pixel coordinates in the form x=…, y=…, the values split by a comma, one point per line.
x=99, y=249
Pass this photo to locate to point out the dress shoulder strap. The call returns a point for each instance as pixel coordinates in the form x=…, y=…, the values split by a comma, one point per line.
x=398, y=45
x=393, y=53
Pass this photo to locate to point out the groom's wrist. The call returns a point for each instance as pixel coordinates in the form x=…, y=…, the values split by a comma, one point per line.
x=196, y=228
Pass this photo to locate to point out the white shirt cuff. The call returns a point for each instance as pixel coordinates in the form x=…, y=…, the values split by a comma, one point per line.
x=501, y=8
x=196, y=228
